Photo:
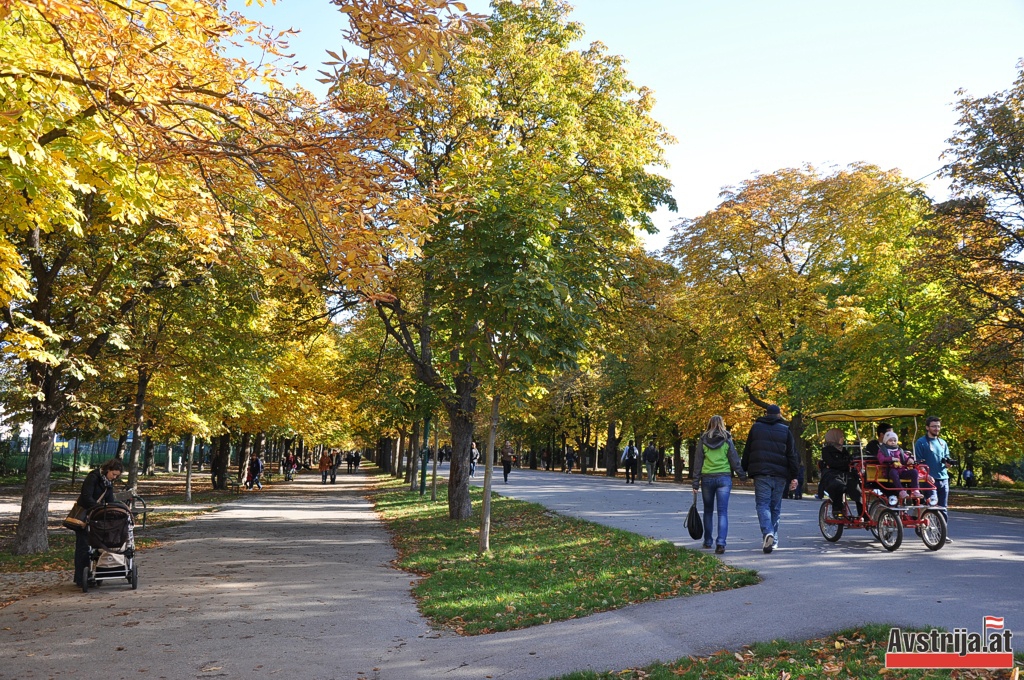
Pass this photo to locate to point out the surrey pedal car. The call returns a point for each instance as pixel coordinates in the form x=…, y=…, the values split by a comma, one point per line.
x=886, y=514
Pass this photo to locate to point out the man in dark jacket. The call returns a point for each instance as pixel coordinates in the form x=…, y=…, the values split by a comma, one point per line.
x=770, y=459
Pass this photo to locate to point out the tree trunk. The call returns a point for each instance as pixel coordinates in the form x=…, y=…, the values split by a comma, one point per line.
x=803, y=453
x=219, y=462
x=122, y=442
x=138, y=421
x=677, y=454
x=170, y=456
x=31, y=536
x=433, y=474
x=396, y=453
x=611, y=451
x=460, y=425
x=189, y=449
x=244, y=450
x=150, y=465
x=74, y=464
x=485, y=513
x=410, y=452
x=383, y=454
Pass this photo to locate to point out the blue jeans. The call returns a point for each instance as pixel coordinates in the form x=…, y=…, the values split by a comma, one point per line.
x=768, y=501
x=715, y=489
x=942, y=495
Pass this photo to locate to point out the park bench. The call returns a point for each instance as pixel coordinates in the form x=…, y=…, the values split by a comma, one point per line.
x=234, y=486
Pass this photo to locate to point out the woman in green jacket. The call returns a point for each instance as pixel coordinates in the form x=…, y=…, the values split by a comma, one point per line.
x=714, y=462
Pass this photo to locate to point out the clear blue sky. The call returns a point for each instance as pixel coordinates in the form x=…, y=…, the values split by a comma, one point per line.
x=751, y=86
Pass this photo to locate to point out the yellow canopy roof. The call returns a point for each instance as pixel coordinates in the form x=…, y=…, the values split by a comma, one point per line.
x=850, y=415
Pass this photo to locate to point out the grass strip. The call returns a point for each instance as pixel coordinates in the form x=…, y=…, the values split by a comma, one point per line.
x=542, y=567
x=852, y=654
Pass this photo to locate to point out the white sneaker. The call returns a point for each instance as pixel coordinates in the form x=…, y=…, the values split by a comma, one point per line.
x=769, y=544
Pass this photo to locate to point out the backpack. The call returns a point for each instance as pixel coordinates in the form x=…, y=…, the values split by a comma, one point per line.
x=650, y=455
x=631, y=453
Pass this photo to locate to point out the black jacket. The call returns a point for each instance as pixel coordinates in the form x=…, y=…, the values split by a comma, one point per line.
x=835, y=459
x=96, y=489
x=770, y=449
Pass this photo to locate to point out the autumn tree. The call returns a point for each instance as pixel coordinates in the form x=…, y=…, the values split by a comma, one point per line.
x=125, y=125
x=784, y=260
x=975, y=243
x=536, y=157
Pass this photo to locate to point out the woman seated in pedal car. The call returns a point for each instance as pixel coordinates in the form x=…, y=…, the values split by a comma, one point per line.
x=901, y=464
x=836, y=477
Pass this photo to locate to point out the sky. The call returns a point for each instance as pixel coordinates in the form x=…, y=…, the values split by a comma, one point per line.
x=752, y=86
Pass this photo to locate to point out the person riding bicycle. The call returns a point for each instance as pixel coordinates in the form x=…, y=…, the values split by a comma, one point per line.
x=837, y=477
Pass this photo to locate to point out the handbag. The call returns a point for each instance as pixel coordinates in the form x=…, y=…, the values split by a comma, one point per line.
x=75, y=519
x=694, y=524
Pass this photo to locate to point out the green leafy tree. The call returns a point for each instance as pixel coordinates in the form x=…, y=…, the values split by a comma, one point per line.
x=536, y=159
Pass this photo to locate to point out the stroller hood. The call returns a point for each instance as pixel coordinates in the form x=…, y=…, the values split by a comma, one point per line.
x=108, y=527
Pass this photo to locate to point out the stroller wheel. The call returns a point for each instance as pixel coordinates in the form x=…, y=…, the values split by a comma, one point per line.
x=85, y=579
x=134, y=577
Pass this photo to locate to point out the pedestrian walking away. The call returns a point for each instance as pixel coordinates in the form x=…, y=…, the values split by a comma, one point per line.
x=506, y=459
x=325, y=466
x=769, y=457
x=630, y=459
x=651, y=460
x=715, y=459
x=933, y=450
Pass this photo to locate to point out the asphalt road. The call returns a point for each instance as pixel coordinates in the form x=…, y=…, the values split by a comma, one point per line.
x=299, y=585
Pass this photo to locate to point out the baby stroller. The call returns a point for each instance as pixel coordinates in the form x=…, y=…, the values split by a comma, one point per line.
x=110, y=531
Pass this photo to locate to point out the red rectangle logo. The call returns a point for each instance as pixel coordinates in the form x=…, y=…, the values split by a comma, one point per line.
x=944, y=660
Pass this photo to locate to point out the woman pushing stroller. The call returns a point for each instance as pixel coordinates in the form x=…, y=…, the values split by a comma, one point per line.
x=97, y=489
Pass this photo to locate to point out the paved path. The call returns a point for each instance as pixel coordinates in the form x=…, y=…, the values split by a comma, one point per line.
x=298, y=585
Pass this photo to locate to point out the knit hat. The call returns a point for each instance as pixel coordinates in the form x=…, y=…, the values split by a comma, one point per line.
x=773, y=410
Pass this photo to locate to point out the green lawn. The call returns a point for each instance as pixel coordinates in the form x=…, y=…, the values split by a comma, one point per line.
x=542, y=567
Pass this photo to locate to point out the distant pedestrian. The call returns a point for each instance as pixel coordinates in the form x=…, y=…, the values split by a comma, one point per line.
x=933, y=450
x=255, y=470
x=714, y=461
x=335, y=462
x=770, y=458
x=474, y=457
x=325, y=466
x=651, y=460
x=630, y=459
x=570, y=459
x=291, y=464
x=506, y=459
